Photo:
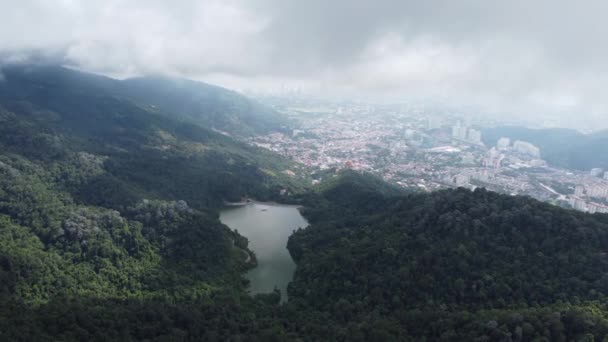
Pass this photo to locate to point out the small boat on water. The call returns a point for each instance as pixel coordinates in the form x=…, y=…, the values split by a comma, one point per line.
x=263, y=209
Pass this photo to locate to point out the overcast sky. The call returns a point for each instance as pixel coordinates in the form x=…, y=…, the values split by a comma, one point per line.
x=524, y=57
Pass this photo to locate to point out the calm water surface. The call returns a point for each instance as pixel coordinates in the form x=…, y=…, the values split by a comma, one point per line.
x=267, y=226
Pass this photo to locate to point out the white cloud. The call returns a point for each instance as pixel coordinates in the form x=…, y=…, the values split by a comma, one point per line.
x=516, y=55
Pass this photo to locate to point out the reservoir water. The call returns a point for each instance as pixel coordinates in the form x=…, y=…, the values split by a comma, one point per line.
x=267, y=227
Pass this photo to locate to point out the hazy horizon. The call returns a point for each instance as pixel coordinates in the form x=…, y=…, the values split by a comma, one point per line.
x=516, y=59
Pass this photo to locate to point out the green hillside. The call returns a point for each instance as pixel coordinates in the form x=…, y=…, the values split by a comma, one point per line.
x=565, y=148
x=109, y=231
x=204, y=104
x=452, y=265
x=195, y=102
x=103, y=200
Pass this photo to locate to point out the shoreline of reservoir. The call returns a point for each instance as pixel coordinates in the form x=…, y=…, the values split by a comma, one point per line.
x=267, y=226
x=252, y=201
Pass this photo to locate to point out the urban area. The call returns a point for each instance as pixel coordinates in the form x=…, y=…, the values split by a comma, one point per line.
x=424, y=148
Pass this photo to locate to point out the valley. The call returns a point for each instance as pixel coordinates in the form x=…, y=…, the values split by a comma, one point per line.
x=114, y=226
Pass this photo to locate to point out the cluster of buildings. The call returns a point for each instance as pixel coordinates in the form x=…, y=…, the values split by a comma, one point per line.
x=465, y=133
x=591, y=193
x=426, y=149
x=526, y=148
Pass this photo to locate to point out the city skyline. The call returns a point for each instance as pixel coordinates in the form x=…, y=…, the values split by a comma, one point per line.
x=426, y=150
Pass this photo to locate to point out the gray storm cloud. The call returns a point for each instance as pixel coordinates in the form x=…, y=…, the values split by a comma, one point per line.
x=510, y=56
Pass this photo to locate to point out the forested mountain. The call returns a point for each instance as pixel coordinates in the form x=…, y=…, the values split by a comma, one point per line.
x=206, y=105
x=565, y=148
x=102, y=199
x=109, y=231
x=452, y=265
x=53, y=114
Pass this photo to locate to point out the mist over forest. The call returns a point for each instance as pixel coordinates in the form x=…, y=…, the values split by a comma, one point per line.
x=265, y=170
